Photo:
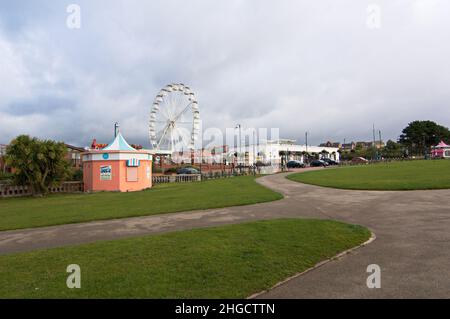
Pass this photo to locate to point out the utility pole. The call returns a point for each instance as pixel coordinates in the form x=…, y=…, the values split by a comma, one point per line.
x=306, y=144
x=374, y=142
x=254, y=147
x=381, y=142
x=240, y=146
x=306, y=141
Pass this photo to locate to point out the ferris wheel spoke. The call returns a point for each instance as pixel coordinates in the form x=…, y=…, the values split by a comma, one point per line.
x=183, y=111
x=163, y=135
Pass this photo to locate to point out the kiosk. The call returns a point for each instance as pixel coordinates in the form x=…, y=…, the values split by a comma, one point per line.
x=117, y=167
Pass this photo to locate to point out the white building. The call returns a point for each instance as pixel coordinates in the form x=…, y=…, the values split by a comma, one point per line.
x=276, y=152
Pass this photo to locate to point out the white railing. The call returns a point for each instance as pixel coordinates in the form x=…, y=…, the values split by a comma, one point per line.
x=181, y=178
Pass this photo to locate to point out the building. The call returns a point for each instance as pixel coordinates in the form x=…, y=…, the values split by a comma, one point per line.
x=276, y=152
x=74, y=155
x=367, y=145
x=441, y=150
x=3, y=167
x=117, y=167
x=331, y=144
x=348, y=146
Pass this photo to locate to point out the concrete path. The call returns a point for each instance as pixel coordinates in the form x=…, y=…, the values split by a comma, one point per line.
x=412, y=246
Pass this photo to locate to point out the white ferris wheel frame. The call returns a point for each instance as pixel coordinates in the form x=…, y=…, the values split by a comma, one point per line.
x=171, y=120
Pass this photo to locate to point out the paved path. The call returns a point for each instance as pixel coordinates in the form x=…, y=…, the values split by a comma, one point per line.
x=412, y=246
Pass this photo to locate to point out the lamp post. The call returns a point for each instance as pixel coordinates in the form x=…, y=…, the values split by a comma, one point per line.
x=254, y=147
x=306, y=144
x=381, y=143
x=424, y=146
x=238, y=126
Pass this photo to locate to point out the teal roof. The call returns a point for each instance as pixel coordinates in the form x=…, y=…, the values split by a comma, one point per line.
x=119, y=144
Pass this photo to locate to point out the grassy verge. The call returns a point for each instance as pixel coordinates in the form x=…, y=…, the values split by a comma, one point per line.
x=231, y=261
x=390, y=176
x=18, y=213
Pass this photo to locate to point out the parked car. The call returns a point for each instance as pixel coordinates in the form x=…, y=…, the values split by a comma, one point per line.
x=318, y=163
x=188, y=170
x=295, y=164
x=330, y=161
x=360, y=160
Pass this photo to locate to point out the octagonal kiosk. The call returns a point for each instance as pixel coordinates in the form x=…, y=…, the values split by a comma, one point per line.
x=117, y=167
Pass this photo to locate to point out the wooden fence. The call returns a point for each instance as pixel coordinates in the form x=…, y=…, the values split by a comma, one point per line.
x=7, y=190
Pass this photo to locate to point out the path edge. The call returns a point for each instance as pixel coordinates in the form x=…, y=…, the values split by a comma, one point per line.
x=320, y=264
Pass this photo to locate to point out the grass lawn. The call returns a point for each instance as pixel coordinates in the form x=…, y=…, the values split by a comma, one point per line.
x=232, y=261
x=58, y=209
x=410, y=175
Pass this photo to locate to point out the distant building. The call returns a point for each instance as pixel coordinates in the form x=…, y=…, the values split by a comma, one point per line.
x=2, y=150
x=348, y=146
x=331, y=144
x=74, y=155
x=366, y=145
x=275, y=152
x=3, y=167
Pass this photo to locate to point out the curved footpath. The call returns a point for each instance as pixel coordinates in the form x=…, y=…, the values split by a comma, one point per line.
x=412, y=246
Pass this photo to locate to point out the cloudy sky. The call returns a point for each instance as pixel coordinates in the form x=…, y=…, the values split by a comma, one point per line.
x=326, y=67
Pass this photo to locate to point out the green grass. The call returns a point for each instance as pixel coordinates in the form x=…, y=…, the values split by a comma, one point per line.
x=16, y=213
x=231, y=261
x=387, y=176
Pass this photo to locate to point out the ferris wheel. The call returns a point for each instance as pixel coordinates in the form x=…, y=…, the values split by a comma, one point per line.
x=174, y=119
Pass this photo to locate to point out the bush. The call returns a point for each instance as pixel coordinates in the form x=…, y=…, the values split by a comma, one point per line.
x=37, y=163
x=6, y=177
x=77, y=175
x=171, y=170
x=156, y=170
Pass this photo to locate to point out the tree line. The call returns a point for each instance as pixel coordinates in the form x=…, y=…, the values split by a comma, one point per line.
x=416, y=139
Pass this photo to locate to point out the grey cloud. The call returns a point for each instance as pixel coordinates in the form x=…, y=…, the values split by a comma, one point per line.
x=297, y=65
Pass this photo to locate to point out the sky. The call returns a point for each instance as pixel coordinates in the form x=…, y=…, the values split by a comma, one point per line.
x=332, y=68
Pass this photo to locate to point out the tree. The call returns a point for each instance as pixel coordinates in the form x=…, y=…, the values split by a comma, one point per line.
x=419, y=136
x=392, y=150
x=37, y=163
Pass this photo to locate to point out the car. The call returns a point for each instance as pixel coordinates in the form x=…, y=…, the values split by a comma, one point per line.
x=188, y=170
x=295, y=164
x=318, y=163
x=360, y=160
x=330, y=161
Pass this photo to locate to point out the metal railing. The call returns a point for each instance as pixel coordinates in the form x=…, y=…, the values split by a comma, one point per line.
x=181, y=178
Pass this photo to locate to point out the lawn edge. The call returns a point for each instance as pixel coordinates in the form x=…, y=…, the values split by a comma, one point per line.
x=318, y=265
x=365, y=189
x=281, y=196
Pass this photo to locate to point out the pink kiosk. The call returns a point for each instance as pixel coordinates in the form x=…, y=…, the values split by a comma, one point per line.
x=117, y=167
x=441, y=150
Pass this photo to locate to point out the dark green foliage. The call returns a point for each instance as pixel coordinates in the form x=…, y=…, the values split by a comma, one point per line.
x=37, y=163
x=419, y=136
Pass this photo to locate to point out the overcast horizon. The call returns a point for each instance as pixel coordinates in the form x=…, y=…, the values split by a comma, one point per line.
x=299, y=66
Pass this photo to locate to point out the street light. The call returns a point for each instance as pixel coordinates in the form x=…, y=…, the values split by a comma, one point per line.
x=238, y=126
